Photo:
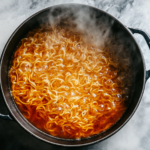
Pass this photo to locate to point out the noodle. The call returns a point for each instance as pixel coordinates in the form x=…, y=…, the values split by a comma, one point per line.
x=64, y=86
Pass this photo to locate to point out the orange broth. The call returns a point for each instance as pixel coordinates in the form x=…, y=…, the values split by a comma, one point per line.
x=64, y=86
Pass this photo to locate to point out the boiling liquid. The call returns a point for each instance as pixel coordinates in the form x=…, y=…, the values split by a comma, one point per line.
x=66, y=87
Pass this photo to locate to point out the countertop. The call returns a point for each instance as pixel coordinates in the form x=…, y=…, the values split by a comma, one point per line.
x=135, y=135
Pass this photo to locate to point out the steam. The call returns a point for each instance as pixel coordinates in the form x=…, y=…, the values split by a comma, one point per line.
x=82, y=19
x=97, y=30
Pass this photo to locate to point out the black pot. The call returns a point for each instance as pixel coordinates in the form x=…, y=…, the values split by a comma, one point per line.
x=97, y=15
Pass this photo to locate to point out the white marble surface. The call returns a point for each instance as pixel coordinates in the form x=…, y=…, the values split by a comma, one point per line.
x=135, y=135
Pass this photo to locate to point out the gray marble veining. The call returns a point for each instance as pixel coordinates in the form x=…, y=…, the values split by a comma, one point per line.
x=135, y=135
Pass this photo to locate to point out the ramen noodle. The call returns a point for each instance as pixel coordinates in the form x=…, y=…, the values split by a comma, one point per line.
x=66, y=87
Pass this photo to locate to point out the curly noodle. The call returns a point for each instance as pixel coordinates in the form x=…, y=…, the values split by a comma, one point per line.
x=64, y=86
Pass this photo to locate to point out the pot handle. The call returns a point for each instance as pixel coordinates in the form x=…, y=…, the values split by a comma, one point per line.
x=147, y=38
x=2, y=116
x=6, y=117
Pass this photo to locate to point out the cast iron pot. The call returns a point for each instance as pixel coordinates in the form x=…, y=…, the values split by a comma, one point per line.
x=118, y=29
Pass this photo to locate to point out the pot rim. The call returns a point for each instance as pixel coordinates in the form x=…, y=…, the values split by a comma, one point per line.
x=70, y=145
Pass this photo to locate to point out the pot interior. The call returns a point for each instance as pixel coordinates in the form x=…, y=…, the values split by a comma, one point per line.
x=95, y=21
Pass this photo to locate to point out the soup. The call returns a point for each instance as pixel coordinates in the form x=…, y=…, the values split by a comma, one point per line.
x=65, y=86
